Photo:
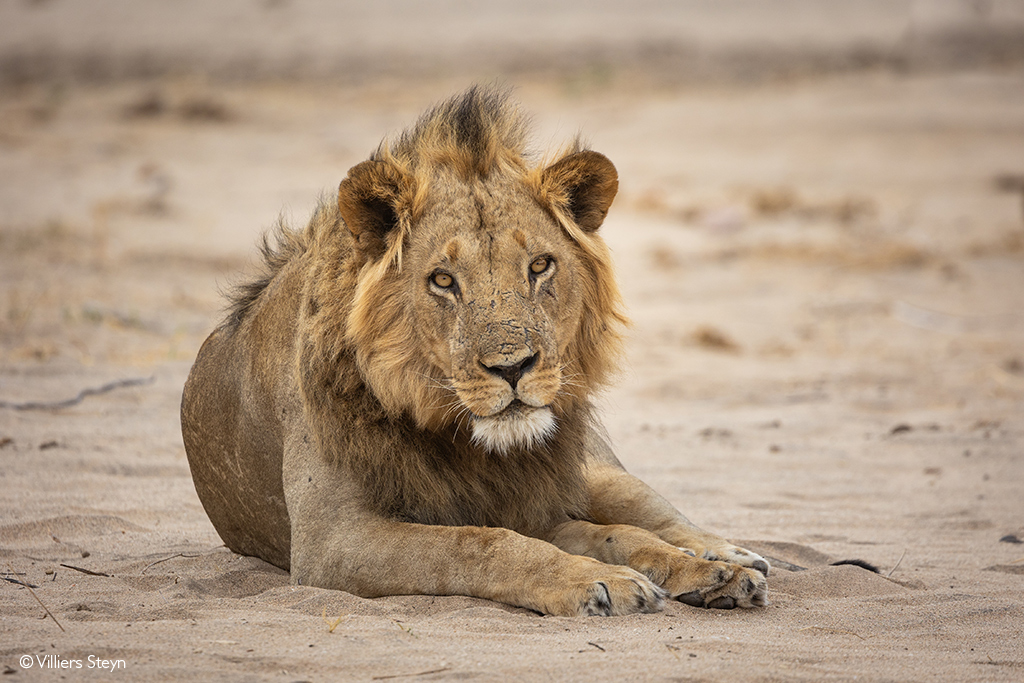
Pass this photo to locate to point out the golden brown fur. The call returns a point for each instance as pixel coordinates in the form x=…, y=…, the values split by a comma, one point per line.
x=400, y=402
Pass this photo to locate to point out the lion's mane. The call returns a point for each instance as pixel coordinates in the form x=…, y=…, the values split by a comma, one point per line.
x=370, y=392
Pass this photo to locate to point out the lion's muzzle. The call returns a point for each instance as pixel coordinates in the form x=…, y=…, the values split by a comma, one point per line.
x=512, y=401
x=512, y=372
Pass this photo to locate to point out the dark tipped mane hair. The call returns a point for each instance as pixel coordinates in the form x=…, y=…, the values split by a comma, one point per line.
x=277, y=248
x=473, y=132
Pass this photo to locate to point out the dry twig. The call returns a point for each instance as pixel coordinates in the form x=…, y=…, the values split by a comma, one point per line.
x=153, y=564
x=418, y=673
x=85, y=571
x=18, y=582
x=407, y=629
x=45, y=608
x=898, y=562
x=331, y=626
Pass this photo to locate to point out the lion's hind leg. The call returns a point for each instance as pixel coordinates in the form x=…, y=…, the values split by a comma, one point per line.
x=692, y=580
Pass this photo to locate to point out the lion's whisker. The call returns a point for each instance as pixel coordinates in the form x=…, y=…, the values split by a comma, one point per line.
x=447, y=408
x=461, y=418
x=442, y=383
x=455, y=406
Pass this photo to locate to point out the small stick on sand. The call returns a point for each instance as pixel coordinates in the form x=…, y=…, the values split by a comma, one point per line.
x=330, y=626
x=407, y=629
x=153, y=564
x=85, y=571
x=419, y=673
x=898, y=562
x=18, y=581
x=48, y=612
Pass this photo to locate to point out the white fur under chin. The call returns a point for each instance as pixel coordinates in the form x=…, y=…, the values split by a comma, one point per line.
x=503, y=432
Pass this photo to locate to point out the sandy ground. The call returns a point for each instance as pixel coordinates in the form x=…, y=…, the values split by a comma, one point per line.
x=827, y=362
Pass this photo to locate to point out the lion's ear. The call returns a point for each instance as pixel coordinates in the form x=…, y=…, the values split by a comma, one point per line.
x=368, y=202
x=586, y=183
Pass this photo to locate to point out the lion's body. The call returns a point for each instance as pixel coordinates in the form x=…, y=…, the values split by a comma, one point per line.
x=401, y=403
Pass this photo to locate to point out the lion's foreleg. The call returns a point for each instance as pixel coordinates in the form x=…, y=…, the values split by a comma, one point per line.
x=617, y=497
x=380, y=557
x=337, y=543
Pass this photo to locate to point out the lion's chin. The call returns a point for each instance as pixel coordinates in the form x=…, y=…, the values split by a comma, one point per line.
x=516, y=426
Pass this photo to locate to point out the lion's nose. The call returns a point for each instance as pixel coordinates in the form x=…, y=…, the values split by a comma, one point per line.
x=513, y=373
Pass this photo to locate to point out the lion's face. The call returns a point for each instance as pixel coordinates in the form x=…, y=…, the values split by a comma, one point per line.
x=495, y=305
x=491, y=313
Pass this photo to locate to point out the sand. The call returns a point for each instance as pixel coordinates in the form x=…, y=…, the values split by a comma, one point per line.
x=827, y=362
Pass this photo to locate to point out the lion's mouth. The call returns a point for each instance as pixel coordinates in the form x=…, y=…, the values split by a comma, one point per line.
x=516, y=407
x=518, y=425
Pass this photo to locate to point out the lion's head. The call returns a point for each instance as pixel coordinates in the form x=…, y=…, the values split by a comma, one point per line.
x=484, y=298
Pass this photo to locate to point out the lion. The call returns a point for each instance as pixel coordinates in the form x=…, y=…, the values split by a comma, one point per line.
x=401, y=402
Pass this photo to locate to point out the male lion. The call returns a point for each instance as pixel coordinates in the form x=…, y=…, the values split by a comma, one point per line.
x=400, y=405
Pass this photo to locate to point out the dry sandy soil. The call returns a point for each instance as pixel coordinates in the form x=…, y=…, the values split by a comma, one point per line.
x=826, y=277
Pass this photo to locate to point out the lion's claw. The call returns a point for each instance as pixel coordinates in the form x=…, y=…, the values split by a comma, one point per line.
x=600, y=603
x=722, y=602
x=736, y=555
x=617, y=592
x=693, y=599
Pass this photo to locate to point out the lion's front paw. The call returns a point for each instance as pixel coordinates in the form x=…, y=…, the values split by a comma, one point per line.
x=735, y=555
x=728, y=586
x=700, y=582
x=608, y=591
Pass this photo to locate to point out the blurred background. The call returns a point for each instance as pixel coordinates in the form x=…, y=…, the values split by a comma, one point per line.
x=659, y=41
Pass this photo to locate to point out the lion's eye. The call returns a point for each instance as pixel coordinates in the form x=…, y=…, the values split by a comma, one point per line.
x=442, y=280
x=540, y=265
